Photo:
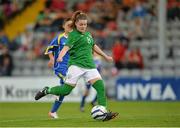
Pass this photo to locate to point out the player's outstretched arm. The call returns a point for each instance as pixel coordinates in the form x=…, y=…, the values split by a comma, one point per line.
x=62, y=53
x=103, y=54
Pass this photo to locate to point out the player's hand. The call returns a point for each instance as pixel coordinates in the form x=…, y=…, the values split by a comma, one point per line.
x=109, y=58
x=50, y=63
x=59, y=59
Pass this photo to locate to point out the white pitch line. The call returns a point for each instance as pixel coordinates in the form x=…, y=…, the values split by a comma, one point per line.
x=19, y=120
x=36, y=119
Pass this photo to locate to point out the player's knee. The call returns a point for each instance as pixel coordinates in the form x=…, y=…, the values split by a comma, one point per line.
x=67, y=89
x=66, y=93
x=86, y=93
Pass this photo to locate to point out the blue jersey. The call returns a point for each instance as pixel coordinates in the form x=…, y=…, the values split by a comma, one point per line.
x=56, y=45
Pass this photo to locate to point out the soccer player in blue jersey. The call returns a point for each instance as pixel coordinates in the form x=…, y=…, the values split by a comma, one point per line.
x=60, y=68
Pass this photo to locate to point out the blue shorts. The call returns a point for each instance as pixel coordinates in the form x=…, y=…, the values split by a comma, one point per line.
x=88, y=86
x=61, y=73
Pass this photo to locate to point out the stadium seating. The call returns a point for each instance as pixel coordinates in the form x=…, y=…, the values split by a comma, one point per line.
x=37, y=65
x=170, y=67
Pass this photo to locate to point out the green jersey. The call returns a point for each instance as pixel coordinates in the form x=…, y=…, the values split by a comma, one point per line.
x=81, y=49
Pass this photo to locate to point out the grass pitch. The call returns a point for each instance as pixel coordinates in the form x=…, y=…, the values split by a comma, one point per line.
x=132, y=114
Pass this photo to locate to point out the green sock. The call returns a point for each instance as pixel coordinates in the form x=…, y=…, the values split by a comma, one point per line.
x=60, y=90
x=101, y=96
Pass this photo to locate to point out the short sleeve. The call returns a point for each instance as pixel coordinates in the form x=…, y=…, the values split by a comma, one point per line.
x=53, y=43
x=70, y=41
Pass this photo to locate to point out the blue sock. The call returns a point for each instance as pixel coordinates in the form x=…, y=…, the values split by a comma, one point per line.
x=83, y=101
x=58, y=102
x=88, y=86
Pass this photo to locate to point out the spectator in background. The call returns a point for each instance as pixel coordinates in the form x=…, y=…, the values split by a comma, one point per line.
x=43, y=20
x=17, y=41
x=85, y=6
x=3, y=38
x=26, y=40
x=137, y=32
x=2, y=15
x=173, y=12
x=38, y=49
x=57, y=20
x=12, y=46
x=138, y=14
x=57, y=5
x=27, y=43
x=110, y=11
x=139, y=10
x=6, y=61
x=111, y=32
x=135, y=59
x=127, y=5
x=118, y=52
x=48, y=3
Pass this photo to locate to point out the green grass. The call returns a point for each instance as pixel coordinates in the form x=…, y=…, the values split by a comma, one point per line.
x=141, y=114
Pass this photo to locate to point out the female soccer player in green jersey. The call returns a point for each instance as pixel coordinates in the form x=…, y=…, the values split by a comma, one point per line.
x=80, y=45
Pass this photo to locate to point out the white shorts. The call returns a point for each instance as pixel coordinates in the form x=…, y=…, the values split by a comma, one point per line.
x=74, y=73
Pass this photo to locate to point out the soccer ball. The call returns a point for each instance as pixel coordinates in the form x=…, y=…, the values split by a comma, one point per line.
x=98, y=112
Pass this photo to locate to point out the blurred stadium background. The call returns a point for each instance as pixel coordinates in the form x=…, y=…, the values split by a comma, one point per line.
x=143, y=36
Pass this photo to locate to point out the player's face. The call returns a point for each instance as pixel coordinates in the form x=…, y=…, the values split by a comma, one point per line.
x=67, y=26
x=81, y=25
